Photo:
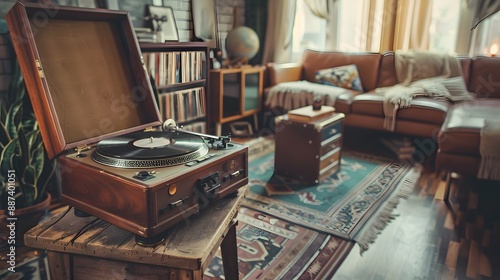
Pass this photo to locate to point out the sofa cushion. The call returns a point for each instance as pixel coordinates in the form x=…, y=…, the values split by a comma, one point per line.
x=422, y=109
x=345, y=76
x=466, y=65
x=387, y=71
x=293, y=95
x=425, y=110
x=344, y=101
x=485, y=77
x=368, y=104
x=367, y=64
x=460, y=132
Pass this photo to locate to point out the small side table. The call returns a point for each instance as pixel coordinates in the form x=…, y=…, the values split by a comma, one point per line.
x=90, y=248
x=236, y=93
x=308, y=151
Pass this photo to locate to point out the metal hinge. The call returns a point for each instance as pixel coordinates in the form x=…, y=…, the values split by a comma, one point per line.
x=81, y=148
x=149, y=129
x=39, y=67
x=143, y=64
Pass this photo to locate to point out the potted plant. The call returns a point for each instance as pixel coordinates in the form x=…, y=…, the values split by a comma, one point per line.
x=24, y=165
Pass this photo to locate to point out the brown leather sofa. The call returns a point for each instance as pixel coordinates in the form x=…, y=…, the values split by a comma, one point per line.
x=453, y=128
x=459, y=136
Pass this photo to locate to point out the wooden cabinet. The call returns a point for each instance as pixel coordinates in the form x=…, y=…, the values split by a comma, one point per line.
x=180, y=71
x=236, y=93
x=308, y=151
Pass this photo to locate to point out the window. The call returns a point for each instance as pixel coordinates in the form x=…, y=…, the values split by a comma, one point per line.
x=359, y=26
x=308, y=31
x=487, y=36
x=444, y=26
x=351, y=35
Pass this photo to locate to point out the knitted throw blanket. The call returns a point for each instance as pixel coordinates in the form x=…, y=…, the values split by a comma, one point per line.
x=490, y=150
x=297, y=94
x=422, y=74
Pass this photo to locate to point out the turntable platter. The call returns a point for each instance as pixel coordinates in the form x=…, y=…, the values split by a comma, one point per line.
x=149, y=149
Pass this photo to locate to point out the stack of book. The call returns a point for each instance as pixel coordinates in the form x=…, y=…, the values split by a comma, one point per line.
x=183, y=105
x=145, y=35
x=308, y=114
x=168, y=68
x=400, y=146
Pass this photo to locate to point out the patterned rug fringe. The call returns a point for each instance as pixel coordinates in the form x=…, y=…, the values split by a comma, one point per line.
x=386, y=214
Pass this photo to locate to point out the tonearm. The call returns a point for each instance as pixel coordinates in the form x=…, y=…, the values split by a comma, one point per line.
x=217, y=142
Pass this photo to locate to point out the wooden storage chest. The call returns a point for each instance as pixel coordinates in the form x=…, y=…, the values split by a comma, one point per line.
x=308, y=151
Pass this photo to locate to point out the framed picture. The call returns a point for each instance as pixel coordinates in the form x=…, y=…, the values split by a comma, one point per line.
x=161, y=19
x=205, y=22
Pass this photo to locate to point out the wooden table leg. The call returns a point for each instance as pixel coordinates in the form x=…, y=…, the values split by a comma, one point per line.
x=59, y=265
x=229, y=253
x=256, y=122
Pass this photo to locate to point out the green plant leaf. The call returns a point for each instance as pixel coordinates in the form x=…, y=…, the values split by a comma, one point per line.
x=12, y=120
x=6, y=162
x=28, y=185
x=45, y=178
x=37, y=159
x=8, y=153
x=3, y=111
x=24, y=146
x=4, y=135
x=34, y=139
x=21, y=142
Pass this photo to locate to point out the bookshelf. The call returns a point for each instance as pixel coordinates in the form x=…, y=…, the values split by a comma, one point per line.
x=180, y=71
x=237, y=93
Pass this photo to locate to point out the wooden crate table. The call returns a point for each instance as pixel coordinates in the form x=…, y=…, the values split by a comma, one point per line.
x=308, y=151
x=90, y=248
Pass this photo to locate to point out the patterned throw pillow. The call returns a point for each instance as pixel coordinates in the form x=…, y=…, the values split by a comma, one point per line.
x=346, y=76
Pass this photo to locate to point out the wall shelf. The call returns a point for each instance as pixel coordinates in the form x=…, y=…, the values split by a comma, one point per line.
x=180, y=71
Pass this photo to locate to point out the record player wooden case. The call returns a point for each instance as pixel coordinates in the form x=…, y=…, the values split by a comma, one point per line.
x=87, y=82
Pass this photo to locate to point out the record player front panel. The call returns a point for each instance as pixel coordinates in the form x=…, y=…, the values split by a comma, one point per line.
x=149, y=207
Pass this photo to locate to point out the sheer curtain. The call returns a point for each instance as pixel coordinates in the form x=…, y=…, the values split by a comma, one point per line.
x=280, y=24
x=384, y=25
x=327, y=9
x=278, y=43
x=406, y=25
x=465, y=36
x=318, y=7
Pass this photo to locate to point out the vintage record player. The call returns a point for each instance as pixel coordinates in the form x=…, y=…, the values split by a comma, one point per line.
x=98, y=116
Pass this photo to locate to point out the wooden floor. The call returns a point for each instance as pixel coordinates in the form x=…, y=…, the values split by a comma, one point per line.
x=425, y=241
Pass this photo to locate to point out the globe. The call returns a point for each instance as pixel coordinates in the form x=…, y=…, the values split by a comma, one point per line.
x=242, y=42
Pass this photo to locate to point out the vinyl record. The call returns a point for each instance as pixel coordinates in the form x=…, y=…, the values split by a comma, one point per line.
x=149, y=149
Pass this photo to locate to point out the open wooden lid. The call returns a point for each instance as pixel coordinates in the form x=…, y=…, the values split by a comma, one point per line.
x=84, y=73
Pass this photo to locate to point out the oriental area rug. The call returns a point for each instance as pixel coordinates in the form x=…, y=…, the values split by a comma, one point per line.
x=288, y=230
x=355, y=203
